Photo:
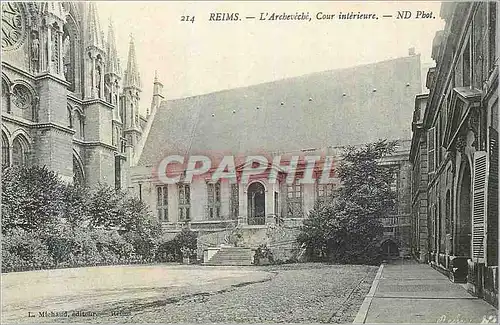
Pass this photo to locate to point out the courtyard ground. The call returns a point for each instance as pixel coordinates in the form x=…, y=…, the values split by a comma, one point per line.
x=407, y=292
x=181, y=293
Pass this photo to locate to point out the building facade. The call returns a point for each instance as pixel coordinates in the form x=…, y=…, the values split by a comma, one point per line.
x=308, y=116
x=65, y=102
x=454, y=151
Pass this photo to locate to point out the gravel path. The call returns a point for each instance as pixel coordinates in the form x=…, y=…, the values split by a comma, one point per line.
x=295, y=293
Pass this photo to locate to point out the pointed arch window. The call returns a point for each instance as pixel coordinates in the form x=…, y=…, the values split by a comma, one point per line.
x=78, y=176
x=20, y=151
x=79, y=125
x=5, y=150
x=5, y=97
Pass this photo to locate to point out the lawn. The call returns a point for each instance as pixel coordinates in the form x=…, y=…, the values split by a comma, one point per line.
x=177, y=293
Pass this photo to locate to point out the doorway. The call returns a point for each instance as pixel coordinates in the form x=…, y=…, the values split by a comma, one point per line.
x=256, y=204
x=464, y=214
x=390, y=249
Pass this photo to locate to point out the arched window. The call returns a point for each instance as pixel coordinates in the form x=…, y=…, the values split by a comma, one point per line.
x=5, y=97
x=78, y=125
x=20, y=151
x=5, y=150
x=78, y=176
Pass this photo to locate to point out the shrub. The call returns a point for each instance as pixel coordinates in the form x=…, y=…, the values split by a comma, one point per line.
x=263, y=252
x=22, y=250
x=48, y=223
x=184, y=244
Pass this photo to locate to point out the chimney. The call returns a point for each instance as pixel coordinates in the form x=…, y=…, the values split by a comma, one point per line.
x=411, y=51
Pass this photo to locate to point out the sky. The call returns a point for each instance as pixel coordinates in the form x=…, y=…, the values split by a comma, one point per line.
x=203, y=56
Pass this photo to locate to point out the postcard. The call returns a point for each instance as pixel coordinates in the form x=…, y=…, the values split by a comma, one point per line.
x=249, y=162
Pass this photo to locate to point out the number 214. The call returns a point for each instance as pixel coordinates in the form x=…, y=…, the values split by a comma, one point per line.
x=187, y=18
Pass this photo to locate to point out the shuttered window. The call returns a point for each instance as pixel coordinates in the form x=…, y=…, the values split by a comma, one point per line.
x=479, y=205
x=431, y=157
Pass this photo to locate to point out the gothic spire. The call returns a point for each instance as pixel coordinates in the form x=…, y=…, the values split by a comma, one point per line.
x=113, y=62
x=94, y=32
x=131, y=77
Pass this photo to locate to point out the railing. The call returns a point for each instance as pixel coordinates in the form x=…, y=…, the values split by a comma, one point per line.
x=212, y=224
x=257, y=220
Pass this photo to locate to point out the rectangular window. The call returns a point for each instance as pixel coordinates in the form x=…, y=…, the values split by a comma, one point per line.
x=431, y=149
x=325, y=191
x=184, y=202
x=162, y=203
x=213, y=206
x=294, y=200
x=235, y=201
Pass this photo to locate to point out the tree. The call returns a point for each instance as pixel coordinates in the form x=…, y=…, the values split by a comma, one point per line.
x=347, y=228
x=31, y=197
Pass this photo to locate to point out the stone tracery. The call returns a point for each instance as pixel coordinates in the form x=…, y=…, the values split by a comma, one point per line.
x=12, y=25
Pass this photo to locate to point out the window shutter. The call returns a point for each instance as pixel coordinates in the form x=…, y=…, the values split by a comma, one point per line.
x=479, y=205
x=492, y=211
x=431, y=143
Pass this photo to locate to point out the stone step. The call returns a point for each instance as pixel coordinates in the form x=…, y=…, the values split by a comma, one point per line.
x=232, y=256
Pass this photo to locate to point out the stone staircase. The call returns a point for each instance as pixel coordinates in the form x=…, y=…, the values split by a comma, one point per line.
x=231, y=256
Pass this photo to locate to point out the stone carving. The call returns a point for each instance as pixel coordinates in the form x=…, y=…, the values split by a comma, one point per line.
x=55, y=50
x=12, y=25
x=21, y=97
x=67, y=62
x=460, y=144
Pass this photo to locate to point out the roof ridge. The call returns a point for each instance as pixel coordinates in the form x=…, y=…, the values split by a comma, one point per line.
x=293, y=77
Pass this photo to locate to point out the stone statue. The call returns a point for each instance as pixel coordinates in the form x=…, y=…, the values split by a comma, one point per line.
x=35, y=51
x=35, y=48
x=98, y=81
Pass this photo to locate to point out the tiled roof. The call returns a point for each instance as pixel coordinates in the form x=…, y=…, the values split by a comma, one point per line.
x=332, y=108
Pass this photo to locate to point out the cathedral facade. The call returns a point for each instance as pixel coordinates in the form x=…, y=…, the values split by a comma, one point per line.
x=66, y=103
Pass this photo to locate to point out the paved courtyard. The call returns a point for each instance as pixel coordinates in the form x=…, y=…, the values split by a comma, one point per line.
x=407, y=292
x=179, y=293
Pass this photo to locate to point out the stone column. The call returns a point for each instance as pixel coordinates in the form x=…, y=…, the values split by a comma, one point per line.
x=60, y=70
x=49, y=49
x=92, y=84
